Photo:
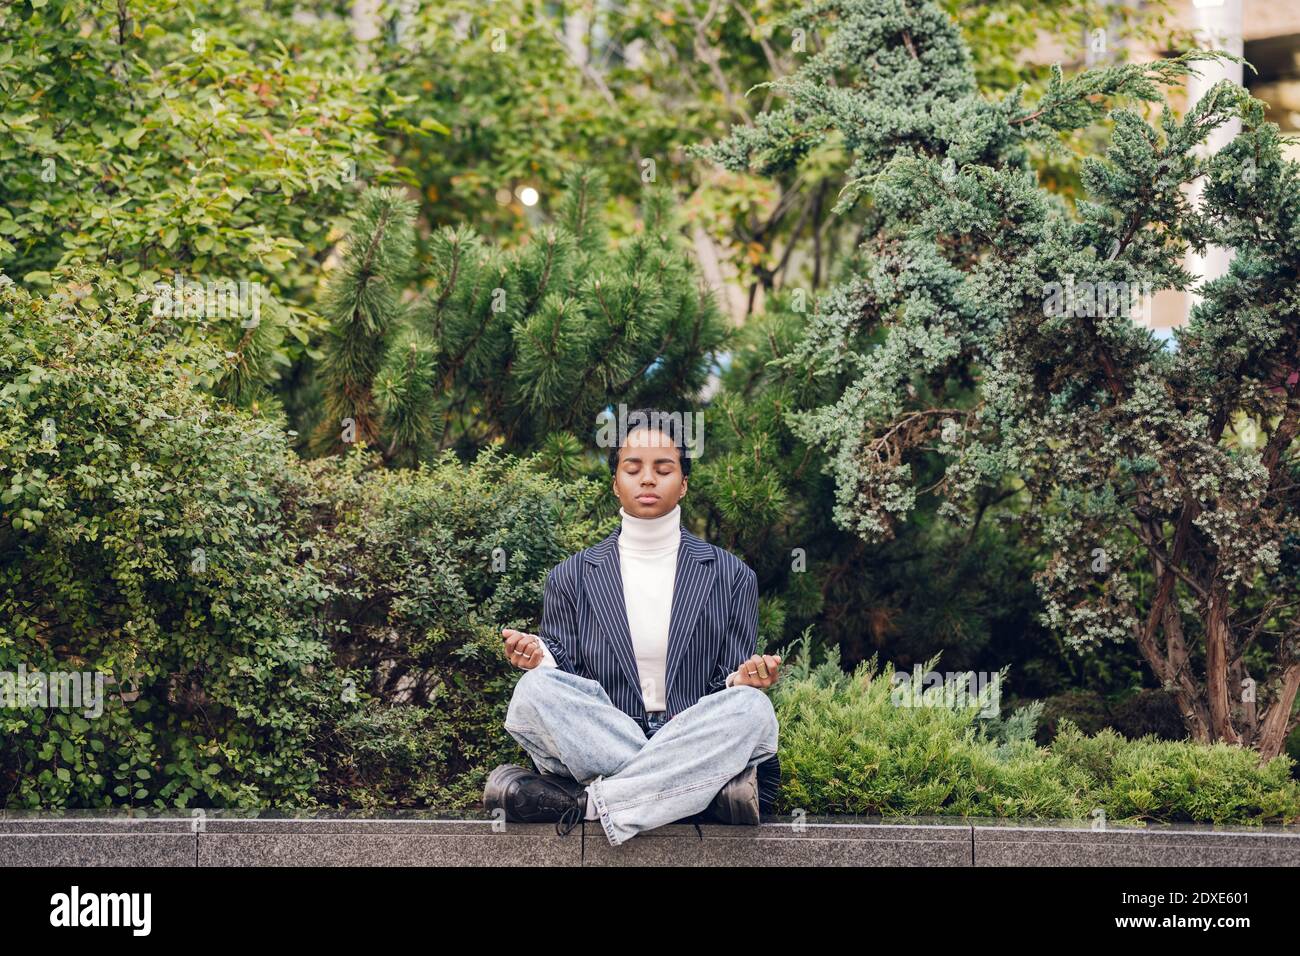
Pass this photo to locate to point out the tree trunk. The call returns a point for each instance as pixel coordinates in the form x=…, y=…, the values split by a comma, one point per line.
x=1277, y=719
x=731, y=295
x=1217, y=639
x=1186, y=692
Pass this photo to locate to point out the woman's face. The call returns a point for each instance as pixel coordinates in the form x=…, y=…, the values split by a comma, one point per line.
x=649, y=480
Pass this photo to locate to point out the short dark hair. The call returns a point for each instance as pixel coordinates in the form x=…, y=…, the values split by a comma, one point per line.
x=665, y=423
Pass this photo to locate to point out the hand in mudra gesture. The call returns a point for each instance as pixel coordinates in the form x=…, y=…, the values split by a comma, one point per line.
x=759, y=671
x=523, y=650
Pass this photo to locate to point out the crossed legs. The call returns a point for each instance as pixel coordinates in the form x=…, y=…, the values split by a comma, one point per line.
x=568, y=725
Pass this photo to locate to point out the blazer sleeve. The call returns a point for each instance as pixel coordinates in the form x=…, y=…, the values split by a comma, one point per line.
x=559, y=627
x=740, y=641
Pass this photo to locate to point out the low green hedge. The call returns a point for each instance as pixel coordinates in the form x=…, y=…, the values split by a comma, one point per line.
x=847, y=748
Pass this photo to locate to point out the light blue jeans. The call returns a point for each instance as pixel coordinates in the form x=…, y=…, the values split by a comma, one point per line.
x=569, y=726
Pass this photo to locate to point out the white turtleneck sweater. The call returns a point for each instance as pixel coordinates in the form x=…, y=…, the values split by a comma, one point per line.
x=647, y=554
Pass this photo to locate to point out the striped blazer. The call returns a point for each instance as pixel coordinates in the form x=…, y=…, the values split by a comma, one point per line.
x=713, y=626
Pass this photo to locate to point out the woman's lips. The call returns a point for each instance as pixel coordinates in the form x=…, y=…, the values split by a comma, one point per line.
x=647, y=497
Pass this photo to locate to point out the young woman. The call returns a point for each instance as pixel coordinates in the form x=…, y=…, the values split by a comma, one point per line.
x=644, y=702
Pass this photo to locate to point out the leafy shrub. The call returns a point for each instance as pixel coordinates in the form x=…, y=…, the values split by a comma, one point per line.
x=846, y=748
x=424, y=567
x=141, y=538
x=274, y=633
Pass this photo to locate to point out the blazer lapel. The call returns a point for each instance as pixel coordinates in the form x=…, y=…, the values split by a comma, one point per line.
x=693, y=582
x=604, y=586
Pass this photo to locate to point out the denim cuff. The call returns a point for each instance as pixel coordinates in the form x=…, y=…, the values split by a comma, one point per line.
x=593, y=790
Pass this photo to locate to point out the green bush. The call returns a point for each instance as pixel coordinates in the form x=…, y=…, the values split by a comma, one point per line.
x=1086, y=708
x=1151, y=711
x=1180, y=781
x=141, y=538
x=846, y=748
x=424, y=568
x=273, y=633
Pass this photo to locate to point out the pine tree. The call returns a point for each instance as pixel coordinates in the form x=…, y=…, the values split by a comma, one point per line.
x=364, y=307
x=522, y=346
x=1161, y=483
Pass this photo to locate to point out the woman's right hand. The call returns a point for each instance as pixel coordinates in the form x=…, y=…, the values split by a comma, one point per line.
x=523, y=650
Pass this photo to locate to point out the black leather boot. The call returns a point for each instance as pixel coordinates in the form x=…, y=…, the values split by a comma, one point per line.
x=737, y=801
x=529, y=797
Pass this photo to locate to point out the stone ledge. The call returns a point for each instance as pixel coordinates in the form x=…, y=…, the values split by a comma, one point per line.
x=229, y=839
x=1011, y=843
x=77, y=839
x=785, y=844
x=97, y=849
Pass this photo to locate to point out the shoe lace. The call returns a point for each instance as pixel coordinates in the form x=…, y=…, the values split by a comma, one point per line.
x=569, y=819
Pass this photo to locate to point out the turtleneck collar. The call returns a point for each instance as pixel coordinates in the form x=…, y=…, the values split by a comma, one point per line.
x=651, y=534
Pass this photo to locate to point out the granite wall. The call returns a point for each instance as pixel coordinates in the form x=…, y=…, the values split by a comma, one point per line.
x=232, y=840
